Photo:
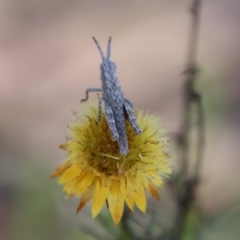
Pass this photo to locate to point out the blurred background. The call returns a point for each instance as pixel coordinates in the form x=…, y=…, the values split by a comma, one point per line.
x=48, y=59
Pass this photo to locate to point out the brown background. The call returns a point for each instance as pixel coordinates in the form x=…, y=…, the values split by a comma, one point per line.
x=48, y=59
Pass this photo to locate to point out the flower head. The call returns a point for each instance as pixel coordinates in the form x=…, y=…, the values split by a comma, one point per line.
x=97, y=171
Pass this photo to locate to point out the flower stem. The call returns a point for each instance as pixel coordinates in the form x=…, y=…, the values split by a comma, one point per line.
x=191, y=138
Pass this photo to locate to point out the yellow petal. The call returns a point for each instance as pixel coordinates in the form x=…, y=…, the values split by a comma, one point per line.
x=99, y=198
x=77, y=132
x=154, y=192
x=127, y=194
x=85, y=180
x=71, y=173
x=86, y=197
x=163, y=165
x=69, y=187
x=156, y=180
x=61, y=169
x=74, y=146
x=115, y=201
x=139, y=197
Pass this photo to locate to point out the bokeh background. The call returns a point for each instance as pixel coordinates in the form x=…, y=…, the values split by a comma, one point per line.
x=48, y=59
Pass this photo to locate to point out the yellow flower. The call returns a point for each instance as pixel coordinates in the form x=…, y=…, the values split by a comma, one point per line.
x=96, y=170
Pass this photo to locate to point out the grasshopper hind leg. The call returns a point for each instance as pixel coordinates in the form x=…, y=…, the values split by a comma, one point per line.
x=130, y=115
x=123, y=144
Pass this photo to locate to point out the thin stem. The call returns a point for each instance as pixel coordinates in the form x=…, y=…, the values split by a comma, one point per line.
x=185, y=193
x=194, y=31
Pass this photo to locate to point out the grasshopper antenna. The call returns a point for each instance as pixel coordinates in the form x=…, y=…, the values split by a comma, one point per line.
x=109, y=48
x=99, y=48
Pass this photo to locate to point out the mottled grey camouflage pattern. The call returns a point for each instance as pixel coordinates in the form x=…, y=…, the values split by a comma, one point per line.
x=116, y=106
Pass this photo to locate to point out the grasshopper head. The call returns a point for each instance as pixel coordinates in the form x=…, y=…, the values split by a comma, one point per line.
x=108, y=68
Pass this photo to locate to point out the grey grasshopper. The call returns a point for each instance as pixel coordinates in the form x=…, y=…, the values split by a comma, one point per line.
x=117, y=107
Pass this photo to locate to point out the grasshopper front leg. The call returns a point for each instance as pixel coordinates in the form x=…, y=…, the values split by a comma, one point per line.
x=111, y=121
x=99, y=110
x=91, y=90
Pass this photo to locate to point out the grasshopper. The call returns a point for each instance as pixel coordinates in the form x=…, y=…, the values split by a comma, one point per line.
x=117, y=107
